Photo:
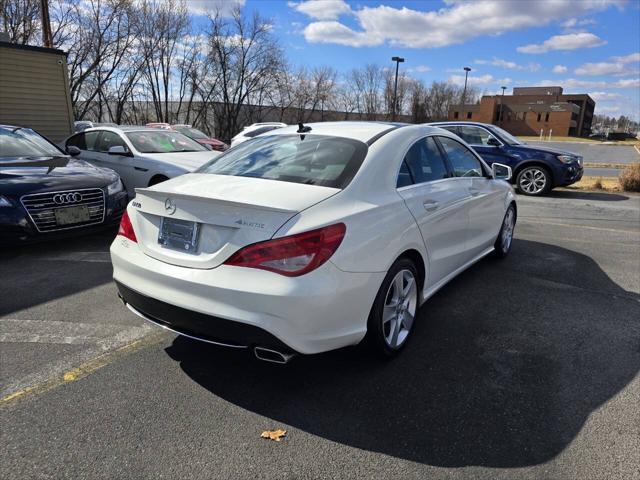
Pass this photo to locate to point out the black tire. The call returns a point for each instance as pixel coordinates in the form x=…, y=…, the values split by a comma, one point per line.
x=502, y=248
x=376, y=337
x=529, y=180
x=157, y=179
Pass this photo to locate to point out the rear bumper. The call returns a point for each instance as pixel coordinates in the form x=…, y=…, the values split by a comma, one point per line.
x=320, y=311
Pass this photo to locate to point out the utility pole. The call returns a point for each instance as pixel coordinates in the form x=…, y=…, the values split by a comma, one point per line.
x=501, y=102
x=47, y=39
x=398, y=61
x=464, y=92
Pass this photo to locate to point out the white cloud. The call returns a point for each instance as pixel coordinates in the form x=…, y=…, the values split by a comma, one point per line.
x=477, y=81
x=634, y=57
x=322, y=9
x=570, y=41
x=604, y=96
x=559, y=69
x=619, y=66
x=419, y=69
x=458, y=22
x=574, y=22
x=205, y=7
x=498, y=62
x=576, y=84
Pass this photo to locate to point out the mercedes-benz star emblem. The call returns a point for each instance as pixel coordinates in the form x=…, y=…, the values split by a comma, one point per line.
x=63, y=198
x=170, y=206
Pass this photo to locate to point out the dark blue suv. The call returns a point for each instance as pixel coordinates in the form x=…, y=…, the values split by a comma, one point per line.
x=536, y=170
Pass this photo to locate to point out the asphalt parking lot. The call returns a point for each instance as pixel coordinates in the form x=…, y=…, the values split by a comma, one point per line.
x=522, y=368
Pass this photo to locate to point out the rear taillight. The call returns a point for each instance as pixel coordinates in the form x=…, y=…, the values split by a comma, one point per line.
x=126, y=229
x=294, y=255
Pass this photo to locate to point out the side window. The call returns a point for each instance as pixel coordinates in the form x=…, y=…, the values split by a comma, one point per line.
x=464, y=163
x=404, y=177
x=84, y=141
x=425, y=161
x=108, y=140
x=474, y=135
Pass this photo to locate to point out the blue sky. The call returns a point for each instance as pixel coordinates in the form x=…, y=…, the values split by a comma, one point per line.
x=586, y=46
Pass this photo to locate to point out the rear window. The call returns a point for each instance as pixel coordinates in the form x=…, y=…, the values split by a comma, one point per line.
x=259, y=131
x=310, y=159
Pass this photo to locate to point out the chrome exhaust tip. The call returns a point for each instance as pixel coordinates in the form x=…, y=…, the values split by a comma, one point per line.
x=273, y=356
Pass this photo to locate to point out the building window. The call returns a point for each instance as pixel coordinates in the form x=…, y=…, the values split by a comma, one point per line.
x=539, y=116
x=546, y=117
x=455, y=115
x=468, y=114
x=521, y=115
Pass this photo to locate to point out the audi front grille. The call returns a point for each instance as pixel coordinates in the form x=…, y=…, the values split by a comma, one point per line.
x=41, y=206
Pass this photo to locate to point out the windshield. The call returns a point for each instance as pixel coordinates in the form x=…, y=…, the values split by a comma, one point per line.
x=191, y=132
x=309, y=159
x=163, y=141
x=24, y=142
x=506, y=136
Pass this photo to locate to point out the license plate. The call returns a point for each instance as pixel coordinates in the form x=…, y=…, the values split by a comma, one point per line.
x=179, y=235
x=71, y=215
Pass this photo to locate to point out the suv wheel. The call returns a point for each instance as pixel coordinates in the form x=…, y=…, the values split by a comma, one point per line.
x=534, y=180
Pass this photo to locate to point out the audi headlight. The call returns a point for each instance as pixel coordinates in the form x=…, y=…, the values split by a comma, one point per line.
x=567, y=158
x=4, y=202
x=115, y=187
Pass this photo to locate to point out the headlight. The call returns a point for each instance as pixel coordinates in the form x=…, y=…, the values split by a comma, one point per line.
x=4, y=202
x=567, y=158
x=115, y=187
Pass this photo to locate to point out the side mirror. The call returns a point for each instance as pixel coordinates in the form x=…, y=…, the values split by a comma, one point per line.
x=73, y=150
x=118, y=150
x=493, y=142
x=501, y=172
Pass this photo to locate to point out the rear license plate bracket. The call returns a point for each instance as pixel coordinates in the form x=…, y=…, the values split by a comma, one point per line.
x=181, y=235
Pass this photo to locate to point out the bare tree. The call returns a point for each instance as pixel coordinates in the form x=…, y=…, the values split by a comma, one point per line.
x=21, y=20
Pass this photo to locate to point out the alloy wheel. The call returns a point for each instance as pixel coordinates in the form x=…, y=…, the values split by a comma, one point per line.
x=399, y=309
x=533, y=180
x=507, y=230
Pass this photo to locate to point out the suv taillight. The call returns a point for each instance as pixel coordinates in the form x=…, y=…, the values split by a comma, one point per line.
x=294, y=255
x=126, y=229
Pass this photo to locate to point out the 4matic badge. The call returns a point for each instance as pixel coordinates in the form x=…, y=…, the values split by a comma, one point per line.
x=244, y=223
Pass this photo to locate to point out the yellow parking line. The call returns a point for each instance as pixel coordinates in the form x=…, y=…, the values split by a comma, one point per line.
x=587, y=227
x=85, y=368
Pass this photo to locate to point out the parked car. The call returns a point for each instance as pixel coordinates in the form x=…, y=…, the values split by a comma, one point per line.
x=142, y=156
x=45, y=193
x=536, y=170
x=310, y=239
x=254, y=130
x=82, y=125
x=200, y=137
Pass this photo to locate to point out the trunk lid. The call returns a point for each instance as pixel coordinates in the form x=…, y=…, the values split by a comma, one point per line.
x=231, y=212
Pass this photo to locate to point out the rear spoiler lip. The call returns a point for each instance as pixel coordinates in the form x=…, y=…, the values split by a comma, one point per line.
x=155, y=193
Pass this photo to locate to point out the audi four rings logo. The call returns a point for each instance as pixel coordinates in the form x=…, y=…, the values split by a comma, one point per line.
x=63, y=198
x=170, y=206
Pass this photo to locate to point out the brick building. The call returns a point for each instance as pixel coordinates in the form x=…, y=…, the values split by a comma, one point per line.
x=531, y=110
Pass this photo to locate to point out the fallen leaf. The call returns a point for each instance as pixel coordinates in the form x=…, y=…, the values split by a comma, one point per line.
x=276, y=435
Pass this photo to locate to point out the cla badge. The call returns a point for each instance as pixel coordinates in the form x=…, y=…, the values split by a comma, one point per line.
x=170, y=206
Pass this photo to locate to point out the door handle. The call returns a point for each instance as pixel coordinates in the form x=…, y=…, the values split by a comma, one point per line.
x=430, y=205
x=141, y=169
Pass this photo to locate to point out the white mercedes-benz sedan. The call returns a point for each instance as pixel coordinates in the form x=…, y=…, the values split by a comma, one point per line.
x=312, y=238
x=141, y=156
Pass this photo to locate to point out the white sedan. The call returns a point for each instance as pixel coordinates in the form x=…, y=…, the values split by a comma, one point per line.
x=253, y=130
x=312, y=238
x=141, y=156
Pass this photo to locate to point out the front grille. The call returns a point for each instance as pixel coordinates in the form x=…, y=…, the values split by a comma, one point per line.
x=41, y=206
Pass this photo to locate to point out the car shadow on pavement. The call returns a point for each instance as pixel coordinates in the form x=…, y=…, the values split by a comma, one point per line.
x=507, y=363
x=586, y=195
x=45, y=271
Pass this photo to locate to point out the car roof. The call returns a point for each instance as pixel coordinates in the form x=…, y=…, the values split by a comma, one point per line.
x=461, y=122
x=126, y=128
x=357, y=130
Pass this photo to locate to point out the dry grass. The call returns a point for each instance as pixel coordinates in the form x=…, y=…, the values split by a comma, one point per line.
x=629, y=180
x=605, y=184
x=579, y=140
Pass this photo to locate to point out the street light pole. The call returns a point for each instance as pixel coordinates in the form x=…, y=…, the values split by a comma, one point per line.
x=464, y=92
x=398, y=61
x=501, y=102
